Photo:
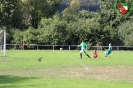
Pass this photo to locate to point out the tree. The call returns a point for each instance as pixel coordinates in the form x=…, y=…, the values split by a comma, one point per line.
x=125, y=32
x=109, y=21
x=112, y=21
x=11, y=14
x=41, y=8
x=74, y=7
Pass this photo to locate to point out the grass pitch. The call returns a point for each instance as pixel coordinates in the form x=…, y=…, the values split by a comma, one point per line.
x=64, y=69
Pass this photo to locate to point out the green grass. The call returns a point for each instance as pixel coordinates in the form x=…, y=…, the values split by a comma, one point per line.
x=64, y=69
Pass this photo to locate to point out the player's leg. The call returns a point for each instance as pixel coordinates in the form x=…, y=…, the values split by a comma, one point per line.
x=94, y=56
x=81, y=54
x=86, y=53
x=107, y=53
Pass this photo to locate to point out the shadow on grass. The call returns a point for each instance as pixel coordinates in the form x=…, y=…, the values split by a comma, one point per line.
x=9, y=81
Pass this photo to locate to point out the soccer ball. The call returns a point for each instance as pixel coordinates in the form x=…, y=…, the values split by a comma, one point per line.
x=60, y=48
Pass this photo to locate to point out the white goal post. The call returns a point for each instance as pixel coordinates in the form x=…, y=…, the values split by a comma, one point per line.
x=3, y=41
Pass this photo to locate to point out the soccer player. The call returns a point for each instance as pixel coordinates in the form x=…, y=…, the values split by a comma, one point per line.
x=95, y=54
x=108, y=51
x=83, y=49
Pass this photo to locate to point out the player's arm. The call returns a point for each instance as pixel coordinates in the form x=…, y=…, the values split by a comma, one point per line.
x=79, y=45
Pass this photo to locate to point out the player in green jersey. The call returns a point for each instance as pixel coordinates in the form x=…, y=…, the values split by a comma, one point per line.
x=108, y=51
x=83, y=49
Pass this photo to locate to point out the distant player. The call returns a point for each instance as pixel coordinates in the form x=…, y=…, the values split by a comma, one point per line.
x=23, y=44
x=95, y=54
x=108, y=51
x=83, y=49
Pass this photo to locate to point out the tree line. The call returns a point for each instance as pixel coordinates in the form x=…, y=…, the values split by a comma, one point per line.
x=39, y=22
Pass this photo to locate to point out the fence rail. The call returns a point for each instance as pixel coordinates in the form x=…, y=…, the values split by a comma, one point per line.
x=64, y=47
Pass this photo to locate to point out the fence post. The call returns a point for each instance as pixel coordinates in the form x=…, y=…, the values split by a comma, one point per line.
x=69, y=48
x=101, y=48
x=117, y=48
x=37, y=47
x=53, y=47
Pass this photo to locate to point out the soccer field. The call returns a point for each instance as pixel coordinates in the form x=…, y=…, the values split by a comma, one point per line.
x=64, y=69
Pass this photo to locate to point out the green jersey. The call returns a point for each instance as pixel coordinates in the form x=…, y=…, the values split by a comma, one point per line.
x=83, y=46
x=110, y=49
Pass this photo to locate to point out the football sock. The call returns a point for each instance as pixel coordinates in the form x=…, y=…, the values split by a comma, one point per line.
x=80, y=55
x=88, y=55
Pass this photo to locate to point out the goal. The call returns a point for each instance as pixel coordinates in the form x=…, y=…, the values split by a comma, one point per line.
x=3, y=42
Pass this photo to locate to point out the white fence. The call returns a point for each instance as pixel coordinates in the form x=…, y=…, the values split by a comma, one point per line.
x=64, y=47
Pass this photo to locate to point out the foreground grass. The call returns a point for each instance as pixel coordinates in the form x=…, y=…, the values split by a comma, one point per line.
x=23, y=82
x=61, y=69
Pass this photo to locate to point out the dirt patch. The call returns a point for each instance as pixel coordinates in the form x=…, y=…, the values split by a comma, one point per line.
x=105, y=73
x=101, y=73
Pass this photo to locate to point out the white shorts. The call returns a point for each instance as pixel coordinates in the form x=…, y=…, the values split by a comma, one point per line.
x=83, y=51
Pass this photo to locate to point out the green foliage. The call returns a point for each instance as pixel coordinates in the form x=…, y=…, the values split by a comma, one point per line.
x=19, y=14
x=125, y=31
x=37, y=21
x=70, y=29
x=41, y=8
x=11, y=13
x=113, y=24
x=74, y=7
